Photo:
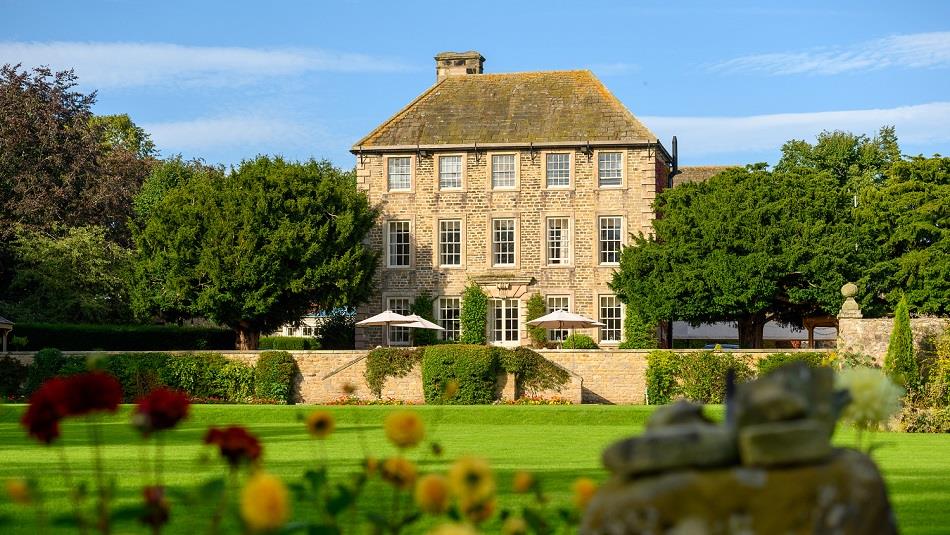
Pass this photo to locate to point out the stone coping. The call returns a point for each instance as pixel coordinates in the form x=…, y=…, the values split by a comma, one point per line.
x=357, y=352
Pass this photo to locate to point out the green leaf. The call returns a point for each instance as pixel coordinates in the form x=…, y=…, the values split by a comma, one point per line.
x=315, y=478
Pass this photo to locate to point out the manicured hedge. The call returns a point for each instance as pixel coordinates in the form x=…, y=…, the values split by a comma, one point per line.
x=49, y=363
x=776, y=360
x=385, y=362
x=288, y=343
x=122, y=337
x=579, y=341
x=475, y=368
x=698, y=376
x=12, y=376
x=274, y=377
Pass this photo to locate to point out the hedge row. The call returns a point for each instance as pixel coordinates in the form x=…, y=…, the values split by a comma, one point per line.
x=204, y=376
x=288, y=343
x=75, y=337
x=475, y=368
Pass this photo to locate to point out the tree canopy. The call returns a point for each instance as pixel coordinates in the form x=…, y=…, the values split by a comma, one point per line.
x=256, y=248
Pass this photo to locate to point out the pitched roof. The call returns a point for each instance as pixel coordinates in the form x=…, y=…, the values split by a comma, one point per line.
x=556, y=106
x=699, y=173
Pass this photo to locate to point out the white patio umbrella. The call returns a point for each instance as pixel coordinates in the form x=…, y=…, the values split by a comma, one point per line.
x=385, y=318
x=562, y=319
x=418, y=322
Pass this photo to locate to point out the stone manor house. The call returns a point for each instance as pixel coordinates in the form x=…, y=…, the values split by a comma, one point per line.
x=523, y=183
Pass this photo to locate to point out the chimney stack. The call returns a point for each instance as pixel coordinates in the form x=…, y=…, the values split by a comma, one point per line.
x=458, y=64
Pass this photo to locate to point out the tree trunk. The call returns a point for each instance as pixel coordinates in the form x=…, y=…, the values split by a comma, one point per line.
x=750, y=331
x=247, y=337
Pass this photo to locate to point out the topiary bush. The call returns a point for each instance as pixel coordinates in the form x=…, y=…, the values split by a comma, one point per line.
x=900, y=364
x=274, y=376
x=196, y=373
x=474, y=315
x=532, y=372
x=384, y=362
x=13, y=374
x=235, y=381
x=48, y=363
x=288, y=343
x=579, y=341
x=536, y=308
x=474, y=367
x=770, y=362
x=661, y=377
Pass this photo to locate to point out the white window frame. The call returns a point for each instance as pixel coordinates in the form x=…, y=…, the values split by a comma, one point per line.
x=601, y=250
x=390, y=244
x=618, y=304
x=566, y=248
x=449, y=333
x=461, y=171
x=516, y=161
x=440, y=235
x=412, y=168
x=495, y=245
x=570, y=170
x=403, y=334
x=506, y=336
x=557, y=335
x=621, y=178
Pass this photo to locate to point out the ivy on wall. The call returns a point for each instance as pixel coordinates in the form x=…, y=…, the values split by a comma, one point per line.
x=474, y=315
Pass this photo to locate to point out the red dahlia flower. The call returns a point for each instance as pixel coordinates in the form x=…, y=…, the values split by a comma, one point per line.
x=91, y=392
x=47, y=408
x=235, y=443
x=161, y=409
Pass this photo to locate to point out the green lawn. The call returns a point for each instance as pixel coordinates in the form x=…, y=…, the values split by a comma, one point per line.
x=559, y=443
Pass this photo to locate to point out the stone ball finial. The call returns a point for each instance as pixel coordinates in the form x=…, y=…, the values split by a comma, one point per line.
x=849, y=290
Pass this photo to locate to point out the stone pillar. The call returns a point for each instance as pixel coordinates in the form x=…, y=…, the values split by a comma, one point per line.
x=849, y=317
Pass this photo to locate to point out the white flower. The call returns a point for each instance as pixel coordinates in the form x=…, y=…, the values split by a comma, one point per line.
x=874, y=397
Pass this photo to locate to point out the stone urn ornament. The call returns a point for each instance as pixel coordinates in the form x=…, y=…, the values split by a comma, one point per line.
x=768, y=469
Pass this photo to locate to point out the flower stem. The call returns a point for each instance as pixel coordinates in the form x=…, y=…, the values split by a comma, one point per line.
x=74, y=495
x=102, y=506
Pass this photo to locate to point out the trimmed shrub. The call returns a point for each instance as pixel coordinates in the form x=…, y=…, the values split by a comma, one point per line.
x=48, y=363
x=579, y=341
x=274, y=377
x=474, y=367
x=13, y=374
x=536, y=308
x=532, y=371
x=139, y=373
x=900, y=363
x=197, y=374
x=662, y=372
x=769, y=363
x=69, y=337
x=637, y=333
x=384, y=362
x=337, y=331
x=288, y=343
x=422, y=307
x=474, y=315
x=236, y=382
x=924, y=420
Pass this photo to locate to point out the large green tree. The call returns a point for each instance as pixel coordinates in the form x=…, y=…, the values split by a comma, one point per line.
x=257, y=247
x=748, y=246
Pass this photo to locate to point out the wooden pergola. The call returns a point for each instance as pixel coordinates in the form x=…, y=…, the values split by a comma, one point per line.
x=818, y=321
x=5, y=327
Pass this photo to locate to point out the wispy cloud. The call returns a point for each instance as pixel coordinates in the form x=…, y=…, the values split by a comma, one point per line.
x=916, y=125
x=200, y=134
x=137, y=64
x=919, y=50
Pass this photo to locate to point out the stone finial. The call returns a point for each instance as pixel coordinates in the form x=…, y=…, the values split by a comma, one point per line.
x=850, y=307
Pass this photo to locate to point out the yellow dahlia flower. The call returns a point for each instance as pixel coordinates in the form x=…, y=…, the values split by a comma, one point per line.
x=514, y=525
x=471, y=479
x=454, y=529
x=264, y=503
x=399, y=472
x=584, y=489
x=523, y=482
x=432, y=494
x=320, y=424
x=404, y=429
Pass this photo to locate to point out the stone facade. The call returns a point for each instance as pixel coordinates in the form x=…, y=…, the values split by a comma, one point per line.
x=870, y=336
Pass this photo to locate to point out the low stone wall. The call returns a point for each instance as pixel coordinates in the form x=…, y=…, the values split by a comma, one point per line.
x=596, y=376
x=870, y=336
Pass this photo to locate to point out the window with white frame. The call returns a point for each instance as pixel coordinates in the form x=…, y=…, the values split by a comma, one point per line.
x=559, y=240
x=450, y=172
x=611, y=315
x=504, y=320
x=399, y=336
x=611, y=231
x=450, y=242
x=290, y=331
x=398, y=244
x=399, y=173
x=503, y=242
x=449, y=312
x=610, y=168
x=307, y=330
x=503, y=171
x=558, y=302
x=558, y=170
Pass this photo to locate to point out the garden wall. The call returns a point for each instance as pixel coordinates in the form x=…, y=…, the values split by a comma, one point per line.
x=870, y=336
x=597, y=376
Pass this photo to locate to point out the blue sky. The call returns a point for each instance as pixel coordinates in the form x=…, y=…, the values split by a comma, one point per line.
x=226, y=80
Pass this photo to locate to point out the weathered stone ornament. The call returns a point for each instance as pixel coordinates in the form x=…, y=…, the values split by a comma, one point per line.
x=770, y=468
